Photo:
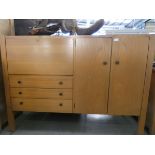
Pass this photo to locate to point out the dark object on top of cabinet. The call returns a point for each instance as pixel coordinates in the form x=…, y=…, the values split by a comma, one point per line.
x=51, y=26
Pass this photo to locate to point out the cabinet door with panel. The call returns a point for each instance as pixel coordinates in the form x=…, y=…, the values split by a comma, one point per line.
x=91, y=74
x=128, y=66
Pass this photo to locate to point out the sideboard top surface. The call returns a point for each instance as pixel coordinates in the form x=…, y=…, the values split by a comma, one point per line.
x=81, y=36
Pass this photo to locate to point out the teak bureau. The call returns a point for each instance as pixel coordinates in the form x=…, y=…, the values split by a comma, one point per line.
x=78, y=74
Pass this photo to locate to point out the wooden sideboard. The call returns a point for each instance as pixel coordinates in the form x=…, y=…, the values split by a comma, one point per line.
x=78, y=74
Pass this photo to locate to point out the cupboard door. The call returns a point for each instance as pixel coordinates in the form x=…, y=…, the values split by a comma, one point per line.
x=91, y=80
x=128, y=65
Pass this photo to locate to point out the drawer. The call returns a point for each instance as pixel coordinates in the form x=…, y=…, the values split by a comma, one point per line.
x=40, y=81
x=41, y=93
x=40, y=55
x=41, y=105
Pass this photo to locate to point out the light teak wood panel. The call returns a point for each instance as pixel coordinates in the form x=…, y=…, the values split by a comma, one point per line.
x=40, y=81
x=41, y=105
x=41, y=93
x=128, y=66
x=91, y=78
x=10, y=113
x=5, y=29
x=142, y=117
x=150, y=122
x=40, y=55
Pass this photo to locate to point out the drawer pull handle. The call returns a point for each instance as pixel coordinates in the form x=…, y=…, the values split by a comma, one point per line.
x=60, y=94
x=60, y=104
x=19, y=82
x=20, y=92
x=117, y=62
x=21, y=103
x=60, y=83
x=105, y=63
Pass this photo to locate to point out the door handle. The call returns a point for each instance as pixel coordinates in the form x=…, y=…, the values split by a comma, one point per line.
x=117, y=62
x=104, y=63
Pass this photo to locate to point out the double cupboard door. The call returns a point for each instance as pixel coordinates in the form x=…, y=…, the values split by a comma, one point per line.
x=109, y=74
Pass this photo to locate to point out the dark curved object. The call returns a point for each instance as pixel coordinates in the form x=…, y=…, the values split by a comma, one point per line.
x=90, y=30
x=45, y=31
x=27, y=27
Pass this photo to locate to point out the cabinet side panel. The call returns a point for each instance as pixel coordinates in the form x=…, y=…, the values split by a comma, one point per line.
x=10, y=113
x=5, y=29
x=151, y=107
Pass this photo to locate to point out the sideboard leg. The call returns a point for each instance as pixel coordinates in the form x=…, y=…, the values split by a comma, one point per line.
x=0, y=123
x=11, y=120
x=141, y=124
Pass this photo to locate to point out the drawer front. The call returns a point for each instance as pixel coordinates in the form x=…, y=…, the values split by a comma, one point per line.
x=40, y=55
x=41, y=105
x=40, y=81
x=41, y=93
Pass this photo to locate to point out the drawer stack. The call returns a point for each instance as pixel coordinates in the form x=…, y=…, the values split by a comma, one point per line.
x=40, y=74
x=41, y=93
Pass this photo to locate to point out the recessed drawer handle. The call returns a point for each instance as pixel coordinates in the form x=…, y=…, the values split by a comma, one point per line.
x=21, y=103
x=60, y=94
x=19, y=82
x=20, y=92
x=60, y=104
x=105, y=63
x=117, y=62
x=60, y=83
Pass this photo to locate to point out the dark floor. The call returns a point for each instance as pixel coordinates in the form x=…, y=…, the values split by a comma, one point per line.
x=72, y=124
